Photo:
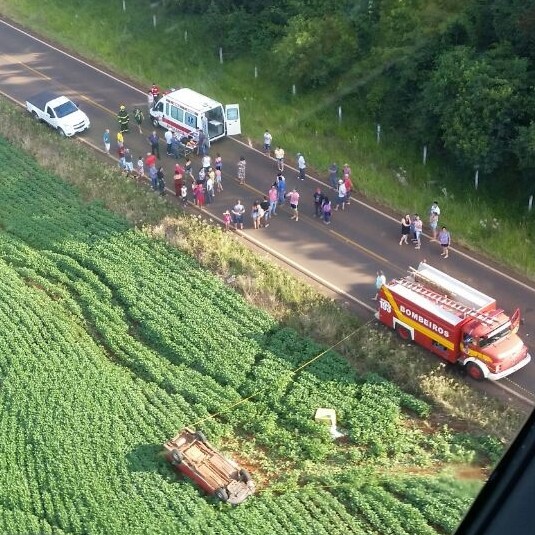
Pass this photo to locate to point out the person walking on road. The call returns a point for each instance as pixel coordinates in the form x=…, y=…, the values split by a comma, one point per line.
x=237, y=214
x=341, y=197
x=178, y=180
x=154, y=141
x=349, y=188
x=265, y=205
x=153, y=175
x=128, y=161
x=294, y=203
x=106, y=139
x=301, y=165
x=379, y=282
x=138, y=117
x=279, y=156
x=255, y=215
x=241, y=170
x=184, y=195
x=120, y=139
x=405, y=229
x=444, y=238
x=123, y=119
x=160, y=180
x=227, y=218
x=169, y=142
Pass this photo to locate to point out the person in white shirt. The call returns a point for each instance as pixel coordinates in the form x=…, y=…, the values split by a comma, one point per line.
x=169, y=140
x=206, y=162
x=267, y=142
x=279, y=156
x=301, y=164
x=434, y=212
x=342, y=194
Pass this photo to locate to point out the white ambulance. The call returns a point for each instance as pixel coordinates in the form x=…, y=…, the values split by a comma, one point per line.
x=184, y=110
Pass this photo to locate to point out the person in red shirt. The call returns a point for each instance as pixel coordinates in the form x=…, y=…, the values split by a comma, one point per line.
x=349, y=187
x=155, y=90
x=150, y=160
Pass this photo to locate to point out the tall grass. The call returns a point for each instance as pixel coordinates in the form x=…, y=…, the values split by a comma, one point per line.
x=264, y=284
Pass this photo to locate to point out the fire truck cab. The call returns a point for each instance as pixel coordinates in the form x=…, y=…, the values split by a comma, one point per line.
x=455, y=321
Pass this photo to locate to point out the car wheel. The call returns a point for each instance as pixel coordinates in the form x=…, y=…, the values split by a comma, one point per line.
x=200, y=436
x=35, y=116
x=222, y=494
x=176, y=457
x=403, y=332
x=61, y=132
x=475, y=371
x=245, y=476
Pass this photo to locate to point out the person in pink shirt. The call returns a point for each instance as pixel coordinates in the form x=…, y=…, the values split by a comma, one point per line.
x=273, y=196
x=294, y=203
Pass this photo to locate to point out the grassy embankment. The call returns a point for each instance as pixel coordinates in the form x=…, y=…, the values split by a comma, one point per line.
x=289, y=300
x=127, y=43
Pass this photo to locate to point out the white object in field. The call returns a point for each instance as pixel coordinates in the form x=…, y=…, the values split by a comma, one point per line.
x=328, y=416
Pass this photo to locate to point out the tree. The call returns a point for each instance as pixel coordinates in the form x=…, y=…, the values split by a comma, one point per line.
x=477, y=99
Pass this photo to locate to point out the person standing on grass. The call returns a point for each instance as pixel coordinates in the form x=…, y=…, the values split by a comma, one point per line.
x=267, y=142
x=279, y=156
x=140, y=167
x=138, y=117
x=241, y=170
x=154, y=141
x=265, y=205
x=349, y=188
x=434, y=213
x=444, y=238
x=273, y=196
x=121, y=152
x=333, y=175
x=237, y=214
x=318, y=202
x=380, y=281
x=327, y=210
x=150, y=160
x=281, y=187
x=301, y=165
x=294, y=203
x=418, y=228
x=405, y=229
x=106, y=139
x=341, y=197
x=346, y=170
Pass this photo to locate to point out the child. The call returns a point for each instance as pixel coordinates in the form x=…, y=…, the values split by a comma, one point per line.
x=184, y=195
x=140, y=167
x=327, y=210
x=218, y=162
x=227, y=220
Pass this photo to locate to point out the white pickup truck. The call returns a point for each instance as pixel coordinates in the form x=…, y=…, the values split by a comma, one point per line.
x=59, y=112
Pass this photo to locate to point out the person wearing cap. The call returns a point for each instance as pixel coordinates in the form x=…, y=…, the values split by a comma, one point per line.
x=123, y=118
x=301, y=165
x=341, y=197
x=227, y=219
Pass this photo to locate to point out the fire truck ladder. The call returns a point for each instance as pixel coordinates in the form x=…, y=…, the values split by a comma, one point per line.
x=450, y=303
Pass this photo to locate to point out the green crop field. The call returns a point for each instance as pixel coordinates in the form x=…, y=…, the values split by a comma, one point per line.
x=112, y=341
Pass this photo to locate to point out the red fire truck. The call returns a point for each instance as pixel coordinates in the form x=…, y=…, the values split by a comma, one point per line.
x=454, y=321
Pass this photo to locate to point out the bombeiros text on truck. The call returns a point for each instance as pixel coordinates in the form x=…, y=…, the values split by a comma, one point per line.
x=455, y=321
x=186, y=111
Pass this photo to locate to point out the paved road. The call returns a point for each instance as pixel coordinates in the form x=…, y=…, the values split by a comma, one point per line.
x=343, y=256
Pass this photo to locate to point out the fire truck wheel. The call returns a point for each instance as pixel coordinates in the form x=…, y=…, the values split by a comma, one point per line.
x=474, y=371
x=403, y=332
